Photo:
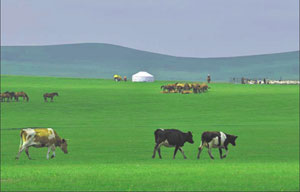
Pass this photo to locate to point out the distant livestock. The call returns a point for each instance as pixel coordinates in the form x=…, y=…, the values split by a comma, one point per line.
x=204, y=87
x=185, y=88
x=186, y=92
x=171, y=138
x=284, y=82
x=214, y=139
x=169, y=88
x=41, y=137
x=7, y=95
x=49, y=95
x=21, y=94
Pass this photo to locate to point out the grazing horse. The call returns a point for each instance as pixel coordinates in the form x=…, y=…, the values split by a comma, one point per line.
x=8, y=95
x=204, y=87
x=196, y=88
x=21, y=94
x=168, y=87
x=187, y=86
x=51, y=95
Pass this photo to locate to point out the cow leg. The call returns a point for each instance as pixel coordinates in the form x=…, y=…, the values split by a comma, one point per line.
x=176, y=149
x=53, y=151
x=27, y=152
x=49, y=149
x=51, y=99
x=155, y=148
x=226, y=152
x=181, y=150
x=220, y=151
x=20, y=151
x=159, y=152
x=209, y=152
x=200, y=149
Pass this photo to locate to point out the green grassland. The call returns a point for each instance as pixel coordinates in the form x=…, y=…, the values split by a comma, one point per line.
x=109, y=127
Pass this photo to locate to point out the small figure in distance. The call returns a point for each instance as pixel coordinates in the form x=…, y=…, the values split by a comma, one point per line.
x=125, y=78
x=208, y=78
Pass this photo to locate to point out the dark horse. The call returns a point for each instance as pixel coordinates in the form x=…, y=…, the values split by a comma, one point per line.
x=168, y=87
x=8, y=95
x=21, y=94
x=51, y=95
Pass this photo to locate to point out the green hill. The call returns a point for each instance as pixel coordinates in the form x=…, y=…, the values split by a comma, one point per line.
x=95, y=60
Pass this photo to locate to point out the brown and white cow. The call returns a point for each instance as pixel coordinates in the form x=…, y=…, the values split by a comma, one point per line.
x=41, y=137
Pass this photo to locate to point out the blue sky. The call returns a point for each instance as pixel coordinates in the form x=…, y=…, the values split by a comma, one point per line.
x=193, y=28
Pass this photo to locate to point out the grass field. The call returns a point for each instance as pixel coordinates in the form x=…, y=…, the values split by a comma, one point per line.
x=109, y=127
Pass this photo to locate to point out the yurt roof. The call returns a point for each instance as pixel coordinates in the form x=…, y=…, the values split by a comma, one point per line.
x=144, y=74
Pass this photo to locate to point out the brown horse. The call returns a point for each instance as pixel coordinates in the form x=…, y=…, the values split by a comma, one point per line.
x=204, y=87
x=50, y=95
x=196, y=88
x=21, y=94
x=8, y=95
x=5, y=95
x=168, y=87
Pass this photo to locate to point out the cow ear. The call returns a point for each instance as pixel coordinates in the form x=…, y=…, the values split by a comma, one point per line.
x=190, y=133
x=63, y=140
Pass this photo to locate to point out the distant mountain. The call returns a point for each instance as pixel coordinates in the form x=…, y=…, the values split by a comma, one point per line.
x=96, y=60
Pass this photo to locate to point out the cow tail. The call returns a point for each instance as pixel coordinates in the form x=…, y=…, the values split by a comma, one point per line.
x=202, y=138
x=22, y=138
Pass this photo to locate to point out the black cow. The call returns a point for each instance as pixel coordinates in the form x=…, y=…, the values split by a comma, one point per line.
x=171, y=138
x=215, y=139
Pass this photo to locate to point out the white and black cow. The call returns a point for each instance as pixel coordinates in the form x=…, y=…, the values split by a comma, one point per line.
x=215, y=139
x=171, y=138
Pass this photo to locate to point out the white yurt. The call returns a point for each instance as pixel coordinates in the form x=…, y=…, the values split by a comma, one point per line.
x=142, y=76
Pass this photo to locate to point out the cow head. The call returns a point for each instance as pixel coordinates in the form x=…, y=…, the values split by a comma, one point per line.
x=189, y=137
x=231, y=139
x=64, y=146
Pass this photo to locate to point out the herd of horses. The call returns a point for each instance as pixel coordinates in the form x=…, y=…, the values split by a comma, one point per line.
x=185, y=88
x=14, y=96
x=9, y=96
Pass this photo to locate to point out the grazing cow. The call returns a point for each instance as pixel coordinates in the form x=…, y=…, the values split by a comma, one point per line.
x=215, y=139
x=171, y=138
x=41, y=137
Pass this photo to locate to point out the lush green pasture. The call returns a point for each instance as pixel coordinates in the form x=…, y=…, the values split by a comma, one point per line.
x=109, y=127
